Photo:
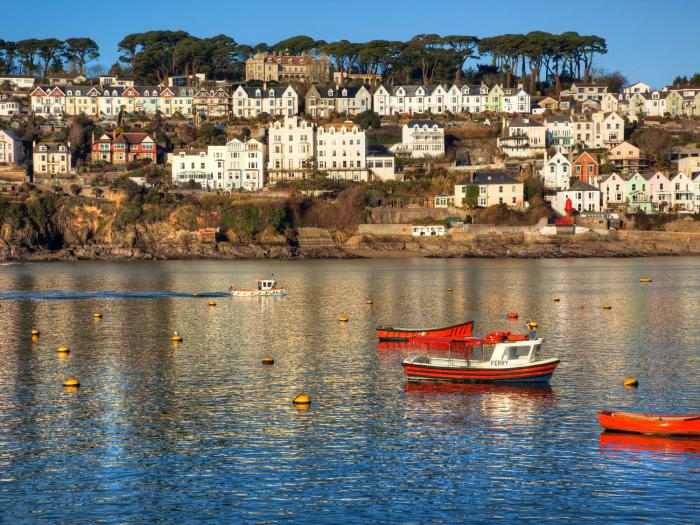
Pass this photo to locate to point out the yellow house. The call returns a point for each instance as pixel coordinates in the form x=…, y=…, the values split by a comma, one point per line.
x=493, y=188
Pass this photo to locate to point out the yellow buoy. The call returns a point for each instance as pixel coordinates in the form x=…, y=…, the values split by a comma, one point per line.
x=556, y=299
x=35, y=331
x=369, y=301
x=71, y=381
x=607, y=307
x=177, y=338
x=343, y=319
x=63, y=349
x=645, y=280
x=268, y=360
x=631, y=382
x=449, y=289
x=97, y=315
x=302, y=399
x=212, y=303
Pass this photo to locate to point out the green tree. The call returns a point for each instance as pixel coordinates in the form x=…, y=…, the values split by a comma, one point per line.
x=81, y=51
x=368, y=119
x=49, y=49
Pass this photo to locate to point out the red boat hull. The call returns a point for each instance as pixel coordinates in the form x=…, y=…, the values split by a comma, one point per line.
x=388, y=333
x=524, y=374
x=662, y=425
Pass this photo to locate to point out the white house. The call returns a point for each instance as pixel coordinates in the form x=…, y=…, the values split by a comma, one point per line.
x=467, y=98
x=381, y=167
x=637, y=87
x=244, y=165
x=613, y=189
x=292, y=149
x=588, y=91
x=421, y=139
x=410, y=100
x=9, y=106
x=516, y=100
x=251, y=102
x=682, y=192
x=525, y=138
x=655, y=103
x=584, y=197
x=556, y=172
x=17, y=81
x=51, y=158
x=560, y=132
x=601, y=130
x=10, y=148
x=341, y=151
x=199, y=166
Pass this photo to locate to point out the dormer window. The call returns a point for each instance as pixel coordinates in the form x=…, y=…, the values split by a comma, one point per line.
x=114, y=93
x=257, y=93
x=345, y=92
x=330, y=92
x=272, y=93
x=77, y=93
x=69, y=93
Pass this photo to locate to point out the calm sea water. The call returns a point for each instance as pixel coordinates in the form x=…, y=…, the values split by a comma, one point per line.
x=203, y=432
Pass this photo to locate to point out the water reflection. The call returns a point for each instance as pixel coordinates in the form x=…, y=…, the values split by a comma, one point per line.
x=203, y=431
x=620, y=442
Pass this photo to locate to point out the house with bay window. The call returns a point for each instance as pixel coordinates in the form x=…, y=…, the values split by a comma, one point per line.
x=324, y=101
x=51, y=158
x=124, y=148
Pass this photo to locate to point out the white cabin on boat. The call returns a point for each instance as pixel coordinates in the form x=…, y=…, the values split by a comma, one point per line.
x=266, y=284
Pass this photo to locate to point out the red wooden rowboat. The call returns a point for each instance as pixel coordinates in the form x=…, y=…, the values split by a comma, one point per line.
x=669, y=425
x=389, y=333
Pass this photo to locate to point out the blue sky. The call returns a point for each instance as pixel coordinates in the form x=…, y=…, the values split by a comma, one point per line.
x=647, y=40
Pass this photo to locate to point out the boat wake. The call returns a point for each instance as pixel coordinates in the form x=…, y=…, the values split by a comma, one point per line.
x=68, y=295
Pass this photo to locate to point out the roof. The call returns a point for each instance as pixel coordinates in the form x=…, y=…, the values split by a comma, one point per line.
x=337, y=92
x=582, y=186
x=423, y=122
x=258, y=92
x=524, y=122
x=490, y=177
x=51, y=146
x=558, y=118
x=11, y=134
x=585, y=153
x=411, y=90
x=590, y=84
x=608, y=175
x=132, y=137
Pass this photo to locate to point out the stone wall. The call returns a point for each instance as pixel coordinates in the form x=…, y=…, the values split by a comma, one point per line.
x=411, y=215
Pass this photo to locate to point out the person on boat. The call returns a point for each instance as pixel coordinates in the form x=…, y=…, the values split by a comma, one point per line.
x=532, y=329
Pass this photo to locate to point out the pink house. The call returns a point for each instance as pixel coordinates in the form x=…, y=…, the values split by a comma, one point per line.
x=659, y=190
x=10, y=148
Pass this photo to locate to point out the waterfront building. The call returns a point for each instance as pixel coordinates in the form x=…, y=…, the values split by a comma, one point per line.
x=239, y=165
x=613, y=189
x=682, y=192
x=659, y=188
x=638, y=195
x=341, y=151
x=584, y=198
x=51, y=158
x=421, y=139
x=493, y=188
x=124, y=148
x=11, y=150
x=292, y=149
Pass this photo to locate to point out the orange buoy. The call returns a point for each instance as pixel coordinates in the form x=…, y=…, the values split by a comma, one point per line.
x=512, y=315
x=268, y=360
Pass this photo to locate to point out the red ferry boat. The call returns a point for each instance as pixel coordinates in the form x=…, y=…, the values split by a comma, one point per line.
x=663, y=425
x=451, y=333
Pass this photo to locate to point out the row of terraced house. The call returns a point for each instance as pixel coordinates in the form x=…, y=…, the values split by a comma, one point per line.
x=106, y=101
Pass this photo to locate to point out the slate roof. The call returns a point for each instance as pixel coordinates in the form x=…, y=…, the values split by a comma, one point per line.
x=490, y=177
x=582, y=186
x=524, y=122
x=424, y=122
